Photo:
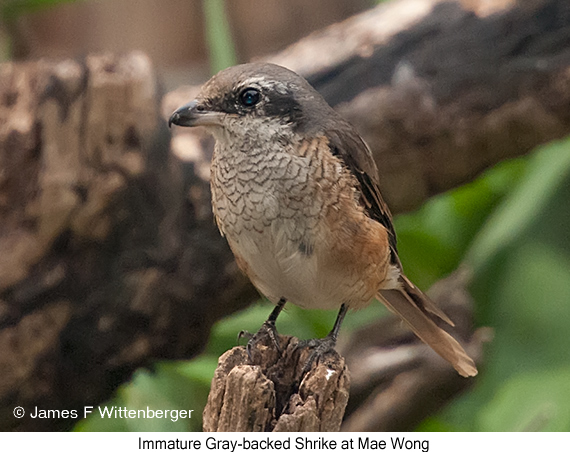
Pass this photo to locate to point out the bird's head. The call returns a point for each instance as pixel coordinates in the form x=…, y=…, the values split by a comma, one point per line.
x=254, y=100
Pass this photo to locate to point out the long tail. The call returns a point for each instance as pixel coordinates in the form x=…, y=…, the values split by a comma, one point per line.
x=414, y=307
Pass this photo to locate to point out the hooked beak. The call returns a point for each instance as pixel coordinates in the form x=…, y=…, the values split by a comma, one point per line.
x=194, y=114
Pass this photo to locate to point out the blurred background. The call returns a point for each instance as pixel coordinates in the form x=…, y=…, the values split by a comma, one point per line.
x=511, y=225
x=185, y=39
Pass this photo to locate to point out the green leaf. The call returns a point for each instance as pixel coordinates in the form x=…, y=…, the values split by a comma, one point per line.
x=547, y=169
x=200, y=370
x=521, y=288
x=532, y=402
x=432, y=241
x=168, y=387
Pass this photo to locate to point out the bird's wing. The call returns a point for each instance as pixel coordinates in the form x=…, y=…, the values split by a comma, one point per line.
x=346, y=144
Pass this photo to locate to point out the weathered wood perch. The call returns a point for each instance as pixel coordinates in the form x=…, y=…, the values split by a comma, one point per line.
x=271, y=394
x=109, y=258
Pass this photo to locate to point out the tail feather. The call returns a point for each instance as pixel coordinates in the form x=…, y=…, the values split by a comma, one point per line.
x=413, y=307
x=423, y=302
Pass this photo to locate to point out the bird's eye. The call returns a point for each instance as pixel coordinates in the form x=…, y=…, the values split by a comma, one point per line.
x=249, y=97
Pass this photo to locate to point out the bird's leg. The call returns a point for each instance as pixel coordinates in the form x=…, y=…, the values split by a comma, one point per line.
x=268, y=328
x=269, y=324
x=323, y=346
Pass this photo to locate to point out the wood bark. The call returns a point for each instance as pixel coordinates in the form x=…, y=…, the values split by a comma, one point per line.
x=109, y=258
x=270, y=391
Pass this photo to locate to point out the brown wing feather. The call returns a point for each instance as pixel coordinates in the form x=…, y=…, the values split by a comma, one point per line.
x=408, y=302
x=349, y=146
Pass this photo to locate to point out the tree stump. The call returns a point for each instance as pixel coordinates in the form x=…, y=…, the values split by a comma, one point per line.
x=271, y=394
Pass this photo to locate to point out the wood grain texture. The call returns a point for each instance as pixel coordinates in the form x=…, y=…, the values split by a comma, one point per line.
x=271, y=394
x=103, y=245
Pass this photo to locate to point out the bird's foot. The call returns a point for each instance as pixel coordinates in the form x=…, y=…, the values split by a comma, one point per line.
x=320, y=348
x=268, y=329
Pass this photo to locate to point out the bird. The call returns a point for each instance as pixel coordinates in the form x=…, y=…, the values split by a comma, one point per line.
x=295, y=191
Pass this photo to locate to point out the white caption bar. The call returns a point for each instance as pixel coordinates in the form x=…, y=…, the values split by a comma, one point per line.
x=267, y=442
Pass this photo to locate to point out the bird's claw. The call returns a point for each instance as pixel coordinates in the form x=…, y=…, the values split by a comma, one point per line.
x=267, y=329
x=320, y=348
x=244, y=333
